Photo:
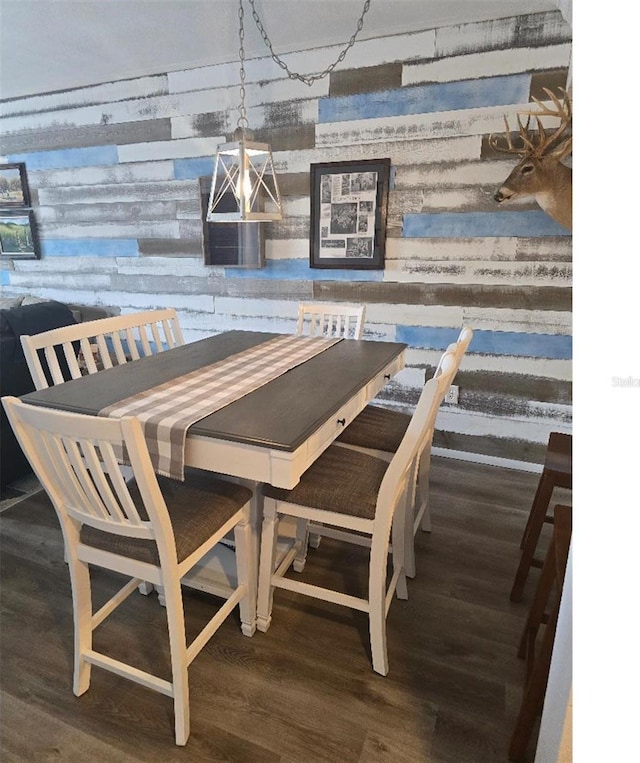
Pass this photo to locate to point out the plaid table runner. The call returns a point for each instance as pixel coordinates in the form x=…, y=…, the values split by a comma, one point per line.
x=168, y=410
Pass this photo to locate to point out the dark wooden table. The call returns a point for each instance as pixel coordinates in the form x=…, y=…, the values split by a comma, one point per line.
x=272, y=434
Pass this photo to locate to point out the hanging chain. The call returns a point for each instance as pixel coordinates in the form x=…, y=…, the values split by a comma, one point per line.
x=308, y=79
x=243, y=122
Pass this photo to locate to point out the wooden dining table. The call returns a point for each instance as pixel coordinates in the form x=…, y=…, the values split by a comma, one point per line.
x=270, y=435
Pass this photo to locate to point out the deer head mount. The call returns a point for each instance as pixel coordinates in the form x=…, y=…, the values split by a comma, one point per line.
x=540, y=172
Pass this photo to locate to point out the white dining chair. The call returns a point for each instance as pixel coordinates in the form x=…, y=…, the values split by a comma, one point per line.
x=151, y=528
x=353, y=491
x=325, y=319
x=100, y=344
x=69, y=352
x=379, y=432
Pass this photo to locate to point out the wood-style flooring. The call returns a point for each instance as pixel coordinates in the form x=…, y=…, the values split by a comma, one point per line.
x=304, y=692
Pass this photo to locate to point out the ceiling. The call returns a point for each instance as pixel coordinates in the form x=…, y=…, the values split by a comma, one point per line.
x=48, y=45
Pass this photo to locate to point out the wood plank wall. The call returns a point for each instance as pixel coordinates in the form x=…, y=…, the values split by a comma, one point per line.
x=114, y=171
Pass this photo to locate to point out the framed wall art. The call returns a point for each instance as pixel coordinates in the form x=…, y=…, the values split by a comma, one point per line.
x=18, y=235
x=349, y=214
x=14, y=190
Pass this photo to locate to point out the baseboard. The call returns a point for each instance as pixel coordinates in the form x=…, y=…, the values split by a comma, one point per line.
x=480, y=458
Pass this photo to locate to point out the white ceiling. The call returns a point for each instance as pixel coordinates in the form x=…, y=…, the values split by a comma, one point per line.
x=50, y=45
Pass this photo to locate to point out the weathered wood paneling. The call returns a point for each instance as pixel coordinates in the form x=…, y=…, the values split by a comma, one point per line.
x=478, y=295
x=104, y=135
x=116, y=173
x=366, y=79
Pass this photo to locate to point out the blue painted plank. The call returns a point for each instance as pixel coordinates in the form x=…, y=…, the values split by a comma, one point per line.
x=299, y=270
x=533, y=222
x=188, y=169
x=519, y=344
x=90, y=247
x=426, y=99
x=94, y=156
x=5, y=278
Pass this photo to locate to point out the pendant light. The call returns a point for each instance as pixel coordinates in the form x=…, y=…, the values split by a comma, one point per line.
x=243, y=168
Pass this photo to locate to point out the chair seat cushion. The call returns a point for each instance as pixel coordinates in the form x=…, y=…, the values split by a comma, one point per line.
x=198, y=508
x=341, y=480
x=377, y=428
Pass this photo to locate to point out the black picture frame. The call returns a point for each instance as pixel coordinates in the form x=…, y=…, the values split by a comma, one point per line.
x=14, y=189
x=18, y=235
x=349, y=214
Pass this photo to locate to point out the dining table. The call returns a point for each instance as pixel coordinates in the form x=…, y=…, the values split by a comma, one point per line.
x=271, y=434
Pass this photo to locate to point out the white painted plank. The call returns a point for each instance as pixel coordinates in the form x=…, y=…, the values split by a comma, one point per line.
x=520, y=273
x=527, y=321
x=411, y=152
x=287, y=249
x=414, y=315
x=111, y=212
x=558, y=248
x=464, y=422
x=89, y=266
x=169, y=149
x=450, y=250
x=486, y=64
x=141, y=87
x=156, y=229
x=174, y=190
x=557, y=369
x=440, y=124
x=192, y=267
x=132, y=301
x=499, y=34
x=447, y=174
x=55, y=281
x=243, y=307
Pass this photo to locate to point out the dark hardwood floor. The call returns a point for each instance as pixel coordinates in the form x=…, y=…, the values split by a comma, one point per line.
x=304, y=691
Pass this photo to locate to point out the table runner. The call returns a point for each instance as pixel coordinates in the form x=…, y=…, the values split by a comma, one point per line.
x=168, y=410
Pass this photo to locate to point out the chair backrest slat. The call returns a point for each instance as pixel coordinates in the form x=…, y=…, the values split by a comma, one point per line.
x=103, y=351
x=330, y=320
x=118, y=339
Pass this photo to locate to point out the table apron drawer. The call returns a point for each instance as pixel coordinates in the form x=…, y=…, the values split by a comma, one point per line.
x=328, y=432
x=383, y=378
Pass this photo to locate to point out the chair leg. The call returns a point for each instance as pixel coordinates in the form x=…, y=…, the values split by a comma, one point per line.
x=314, y=540
x=533, y=697
x=145, y=588
x=377, y=610
x=536, y=521
x=267, y=564
x=537, y=611
x=178, y=648
x=83, y=631
x=247, y=575
x=302, y=540
x=408, y=502
x=399, y=548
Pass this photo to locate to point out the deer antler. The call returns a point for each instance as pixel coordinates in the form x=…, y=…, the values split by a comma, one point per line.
x=539, y=145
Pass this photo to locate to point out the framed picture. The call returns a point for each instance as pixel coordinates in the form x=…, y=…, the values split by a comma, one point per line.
x=14, y=191
x=18, y=236
x=349, y=214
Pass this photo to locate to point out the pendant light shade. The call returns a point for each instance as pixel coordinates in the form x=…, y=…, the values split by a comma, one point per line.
x=245, y=169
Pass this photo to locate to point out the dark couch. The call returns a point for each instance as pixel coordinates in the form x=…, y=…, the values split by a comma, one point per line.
x=15, y=378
